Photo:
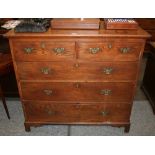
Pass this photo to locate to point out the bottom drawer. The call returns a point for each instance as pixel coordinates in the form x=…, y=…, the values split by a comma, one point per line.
x=77, y=113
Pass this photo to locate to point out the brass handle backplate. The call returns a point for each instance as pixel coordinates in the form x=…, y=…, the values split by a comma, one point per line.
x=94, y=50
x=28, y=50
x=48, y=92
x=125, y=50
x=108, y=70
x=59, y=50
x=45, y=70
x=76, y=65
x=105, y=92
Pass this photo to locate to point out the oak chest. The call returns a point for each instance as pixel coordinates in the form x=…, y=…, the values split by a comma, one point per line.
x=77, y=76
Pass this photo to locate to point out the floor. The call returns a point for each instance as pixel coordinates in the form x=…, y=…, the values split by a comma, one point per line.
x=142, y=121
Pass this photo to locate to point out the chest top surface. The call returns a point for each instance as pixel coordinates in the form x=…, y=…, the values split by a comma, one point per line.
x=139, y=33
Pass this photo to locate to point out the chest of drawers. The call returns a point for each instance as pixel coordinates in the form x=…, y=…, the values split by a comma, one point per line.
x=77, y=76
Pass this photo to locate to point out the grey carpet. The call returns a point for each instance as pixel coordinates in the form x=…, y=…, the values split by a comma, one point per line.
x=142, y=123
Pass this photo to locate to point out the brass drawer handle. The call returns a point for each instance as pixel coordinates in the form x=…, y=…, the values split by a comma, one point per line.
x=45, y=70
x=48, y=92
x=77, y=85
x=59, y=50
x=104, y=113
x=94, y=50
x=76, y=65
x=125, y=50
x=77, y=106
x=105, y=92
x=42, y=45
x=108, y=70
x=28, y=50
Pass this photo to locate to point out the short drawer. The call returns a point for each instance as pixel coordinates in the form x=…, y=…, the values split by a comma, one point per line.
x=77, y=113
x=116, y=50
x=78, y=91
x=37, y=50
x=106, y=71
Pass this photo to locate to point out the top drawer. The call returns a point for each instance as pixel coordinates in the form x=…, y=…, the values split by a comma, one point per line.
x=116, y=50
x=30, y=50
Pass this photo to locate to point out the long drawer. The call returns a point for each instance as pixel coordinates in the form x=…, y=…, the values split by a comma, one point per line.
x=29, y=50
x=78, y=91
x=72, y=113
x=107, y=71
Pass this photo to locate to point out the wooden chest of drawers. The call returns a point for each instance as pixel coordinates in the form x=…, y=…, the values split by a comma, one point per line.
x=77, y=76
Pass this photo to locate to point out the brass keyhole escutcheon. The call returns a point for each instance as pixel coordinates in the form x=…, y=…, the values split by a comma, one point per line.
x=77, y=106
x=42, y=45
x=110, y=46
x=76, y=65
x=77, y=85
x=104, y=113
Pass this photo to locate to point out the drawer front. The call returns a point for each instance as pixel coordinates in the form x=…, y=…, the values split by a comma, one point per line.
x=43, y=50
x=72, y=113
x=108, y=113
x=78, y=91
x=110, y=51
x=108, y=71
x=43, y=111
